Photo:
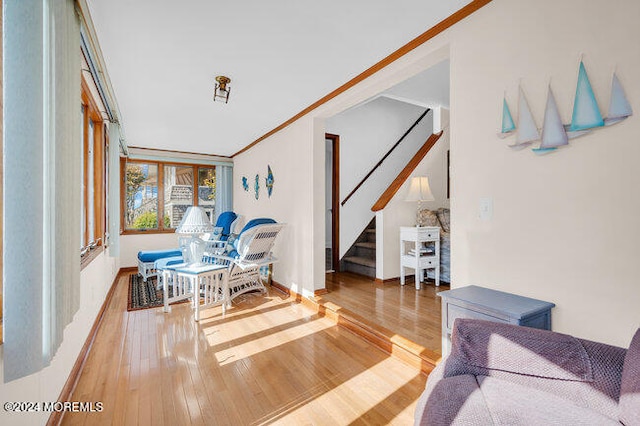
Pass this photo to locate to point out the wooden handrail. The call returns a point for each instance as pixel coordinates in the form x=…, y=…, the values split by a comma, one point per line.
x=405, y=173
x=353, y=191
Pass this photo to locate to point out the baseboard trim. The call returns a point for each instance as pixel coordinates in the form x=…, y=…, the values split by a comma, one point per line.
x=398, y=347
x=280, y=287
x=387, y=280
x=56, y=417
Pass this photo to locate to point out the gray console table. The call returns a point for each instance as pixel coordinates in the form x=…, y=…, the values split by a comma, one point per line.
x=492, y=305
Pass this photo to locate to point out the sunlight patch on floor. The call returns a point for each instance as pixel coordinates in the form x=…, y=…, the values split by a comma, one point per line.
x=263, y=343
x=371, y=387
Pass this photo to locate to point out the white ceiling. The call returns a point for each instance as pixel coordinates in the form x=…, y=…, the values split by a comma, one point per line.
x=281, y=55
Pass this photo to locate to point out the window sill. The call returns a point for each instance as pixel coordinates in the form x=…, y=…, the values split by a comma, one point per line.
x=92, y=254
x=150, y=231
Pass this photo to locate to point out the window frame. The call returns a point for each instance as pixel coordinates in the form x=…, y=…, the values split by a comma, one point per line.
x=160, y=212
x=99, y=168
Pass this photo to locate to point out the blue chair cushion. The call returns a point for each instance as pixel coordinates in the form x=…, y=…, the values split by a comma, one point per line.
x=256, y=222
x=153, y=255
x=253, y=222
x=167, y=261
x=224, y=221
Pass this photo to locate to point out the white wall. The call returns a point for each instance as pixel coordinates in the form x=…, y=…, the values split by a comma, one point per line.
x=564, y=226
x=290, y=153
x=399, y=213
x=45, y=385
x=366, y=134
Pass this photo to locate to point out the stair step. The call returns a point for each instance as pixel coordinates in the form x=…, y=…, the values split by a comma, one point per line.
x=370, y=231
x=371, y=263
x=367, y=245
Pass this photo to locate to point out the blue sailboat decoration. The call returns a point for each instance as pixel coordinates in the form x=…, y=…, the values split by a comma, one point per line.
x=553, y=132
x=586, y=114
x=619, y=108
x=527, y=132
x=508, y=126
x=269, y=181
x=256, y=186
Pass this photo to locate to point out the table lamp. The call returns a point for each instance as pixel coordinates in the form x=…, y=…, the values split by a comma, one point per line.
x=195, y=222
x=419, y=191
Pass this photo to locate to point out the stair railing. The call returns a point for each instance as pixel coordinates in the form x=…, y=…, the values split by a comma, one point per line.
x=385, y=156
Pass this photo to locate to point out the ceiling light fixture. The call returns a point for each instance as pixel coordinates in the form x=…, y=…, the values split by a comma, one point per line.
x=221, y=92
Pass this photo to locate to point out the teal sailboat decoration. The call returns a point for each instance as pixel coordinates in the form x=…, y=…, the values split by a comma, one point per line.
x=527, y=132
x=256, y=186
x=508, y=126
x=619, y=107
x=553, y=133
x=586, y=114
x=268, y=181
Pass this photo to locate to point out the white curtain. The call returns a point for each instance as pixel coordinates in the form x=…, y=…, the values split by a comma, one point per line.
x=224, y=189
x=114, y=190
x=42, y=147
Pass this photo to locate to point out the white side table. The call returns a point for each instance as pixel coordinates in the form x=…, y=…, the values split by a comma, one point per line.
x=210, y=281
x=420, y=250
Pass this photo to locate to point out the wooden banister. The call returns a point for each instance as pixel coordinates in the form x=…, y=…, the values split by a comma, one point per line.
x=405, y=173
x=353, y=191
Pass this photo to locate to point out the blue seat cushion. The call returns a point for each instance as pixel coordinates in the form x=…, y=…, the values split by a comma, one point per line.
x=153, y=255
x=224, y=221
x=167, y=261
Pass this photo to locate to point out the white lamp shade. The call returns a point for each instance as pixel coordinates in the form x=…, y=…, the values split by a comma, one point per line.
x=419, y=190
x=195, y=221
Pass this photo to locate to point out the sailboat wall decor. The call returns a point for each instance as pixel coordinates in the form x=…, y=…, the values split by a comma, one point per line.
x=585, y=117
x=586, y=114
x=508, y=126
x=527, y=131
x=553, y=133
x=619, y=108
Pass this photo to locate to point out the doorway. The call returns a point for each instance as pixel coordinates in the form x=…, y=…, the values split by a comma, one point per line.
x=332, y=202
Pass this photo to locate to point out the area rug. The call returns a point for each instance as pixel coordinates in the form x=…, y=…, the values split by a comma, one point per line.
x=143, y=295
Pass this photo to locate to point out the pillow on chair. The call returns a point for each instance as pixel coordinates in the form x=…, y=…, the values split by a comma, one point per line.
x=427, y=217
x=444, y=216
x=224, y=221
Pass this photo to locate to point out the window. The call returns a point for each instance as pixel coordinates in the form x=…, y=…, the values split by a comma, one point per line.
x=156, y=194
x=178, y=194
x=93, y=181
x=207, y=189
x=141, y=196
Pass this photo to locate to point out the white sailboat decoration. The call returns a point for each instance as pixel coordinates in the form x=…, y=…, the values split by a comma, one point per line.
x=527, y=132
x=586, y=114
x=553, y=133
x=619, y=108
x=508, y=126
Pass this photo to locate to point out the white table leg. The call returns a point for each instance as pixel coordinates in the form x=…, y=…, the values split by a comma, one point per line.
x=165, y=291
x=196, y=296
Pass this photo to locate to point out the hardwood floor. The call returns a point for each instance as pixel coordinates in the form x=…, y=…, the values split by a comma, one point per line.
x=413, y=314
x=268, y=360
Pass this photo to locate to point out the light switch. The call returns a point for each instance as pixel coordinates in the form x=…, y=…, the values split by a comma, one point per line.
x=486, y=208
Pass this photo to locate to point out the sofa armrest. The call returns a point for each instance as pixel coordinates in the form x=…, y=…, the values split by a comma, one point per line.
x=585, y=372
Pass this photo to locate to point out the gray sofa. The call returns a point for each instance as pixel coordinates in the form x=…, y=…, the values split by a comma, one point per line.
x=510, y=375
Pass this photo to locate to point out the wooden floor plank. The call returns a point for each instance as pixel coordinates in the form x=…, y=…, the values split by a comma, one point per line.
x=413, y=314
x=268, y=360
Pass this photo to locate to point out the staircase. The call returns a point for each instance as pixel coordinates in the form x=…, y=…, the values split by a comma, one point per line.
x=361, y=257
